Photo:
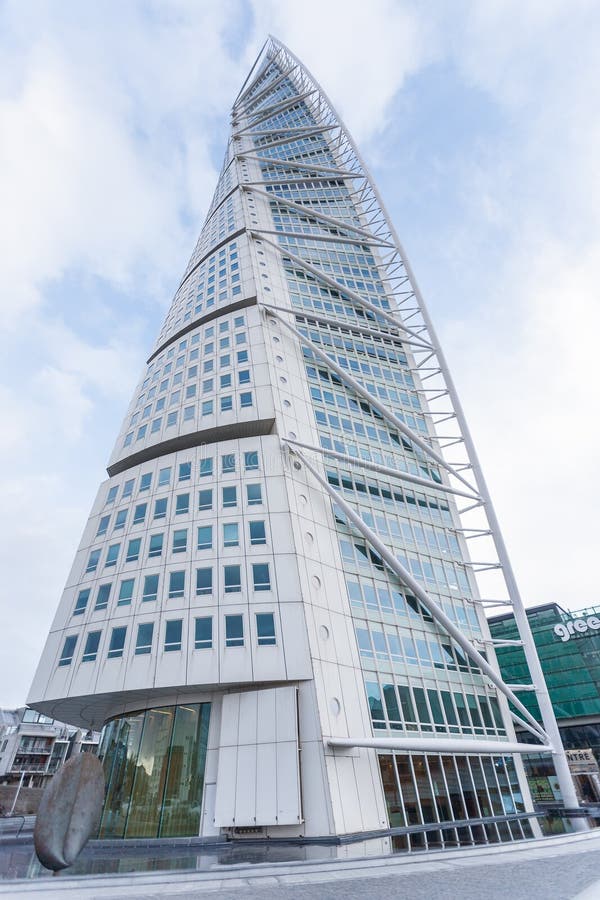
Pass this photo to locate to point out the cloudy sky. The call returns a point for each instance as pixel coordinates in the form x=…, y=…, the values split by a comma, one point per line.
x=480, y=124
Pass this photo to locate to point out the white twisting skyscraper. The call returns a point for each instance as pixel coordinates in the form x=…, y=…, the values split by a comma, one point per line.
x=272, y=607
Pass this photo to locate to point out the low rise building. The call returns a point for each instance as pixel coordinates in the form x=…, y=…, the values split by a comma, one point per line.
x=568, y=645
x=33, y=747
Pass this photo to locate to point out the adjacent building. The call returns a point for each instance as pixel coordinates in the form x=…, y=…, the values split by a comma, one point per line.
x=272, y=610
x=568, y=645
x=33, y=747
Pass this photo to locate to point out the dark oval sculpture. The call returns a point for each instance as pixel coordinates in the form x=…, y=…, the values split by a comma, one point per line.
x=69, y=811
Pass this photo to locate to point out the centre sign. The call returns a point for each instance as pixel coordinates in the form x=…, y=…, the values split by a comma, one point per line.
x=565, y=630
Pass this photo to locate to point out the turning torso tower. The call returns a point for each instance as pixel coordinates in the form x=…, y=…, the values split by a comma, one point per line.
x=272, y=609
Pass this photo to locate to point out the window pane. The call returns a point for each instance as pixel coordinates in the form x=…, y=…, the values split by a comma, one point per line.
x=150, y=587
x=233, y=582
x=143, y=642
x=176, y=584
x=117, y=642
x=234, y=631
x=265, y=628
x=126, y=591
x=92, y=643
x=203, y=633
x=260, y=577
x=231, y=534
x=205, y=499
x=257, y=533
x=82, y=601
x=204, y=581
x=205, y=537
x=180, y=541
x=68, y=650
x=103, y=596
x=229, y=496
x=254, y=494
x=182, y=504
x=173, y=634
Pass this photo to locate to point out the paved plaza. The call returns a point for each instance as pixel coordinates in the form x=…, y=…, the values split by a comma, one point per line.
x=562, y=868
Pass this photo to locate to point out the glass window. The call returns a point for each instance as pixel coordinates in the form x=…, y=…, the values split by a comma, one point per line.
x=140, y=513
x=205, y=499
x=112, y=555
x=173, y=630
x=156, y=545
x=207, y=410
x=244, y=376
x=146, y=481
x=126, y=591
x=133, y=550
x=176, y=584
x=112, y=493
x=143, y=643
x=82, y=602
x=120, y=519
x=231, y=534
x=203, y=633
x=164, y=477
x=251, y=461
x=185, y=471
x=93, y=560
x=92, y=642
x=245, y=399
x=265, y=629
x=204, y=537
x=228, y=463
x=160, y=508
x=128, y=488
x=226, y=403
x=182, y=505
x=234, y=631
x=66, y=657
x=103, y=596
x=117, y=642
x=230, y=496
x=260, y=577
x=103, y=525
x=180, y=540
x=204, y=583
x=254, y=494
x=150, y=591
x=233, y=580
x=206, y=467
x=257, y=533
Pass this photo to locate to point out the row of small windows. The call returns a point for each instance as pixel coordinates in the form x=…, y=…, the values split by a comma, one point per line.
x=435, y=508
x=218, y=223
x=387, y=649
x=400, y=707
x=229, y=495
x=206, y=470
x=374, y=600
x=156, y=369
x=443, y=574
x=207, y=408
x=231, y=538
x=231, y=575
x=203, y=637
x=208, y=386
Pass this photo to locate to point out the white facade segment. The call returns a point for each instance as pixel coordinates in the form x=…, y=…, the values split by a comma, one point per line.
x=244, y=642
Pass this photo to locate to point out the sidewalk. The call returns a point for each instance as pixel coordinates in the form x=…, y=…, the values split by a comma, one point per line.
x=555, y=868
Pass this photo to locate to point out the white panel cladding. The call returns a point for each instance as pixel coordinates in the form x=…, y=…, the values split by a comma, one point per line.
x=258, y=780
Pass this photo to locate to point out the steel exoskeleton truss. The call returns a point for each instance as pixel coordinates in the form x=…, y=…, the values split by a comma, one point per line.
x=407, y=321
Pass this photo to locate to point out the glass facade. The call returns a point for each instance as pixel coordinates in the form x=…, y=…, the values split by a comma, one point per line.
x=425, y=789
x=568, y=645
x=154, y=769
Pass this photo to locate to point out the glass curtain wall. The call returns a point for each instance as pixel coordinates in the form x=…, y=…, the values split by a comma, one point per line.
x=415, y=678
x=423, y=789
x=154, y=769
